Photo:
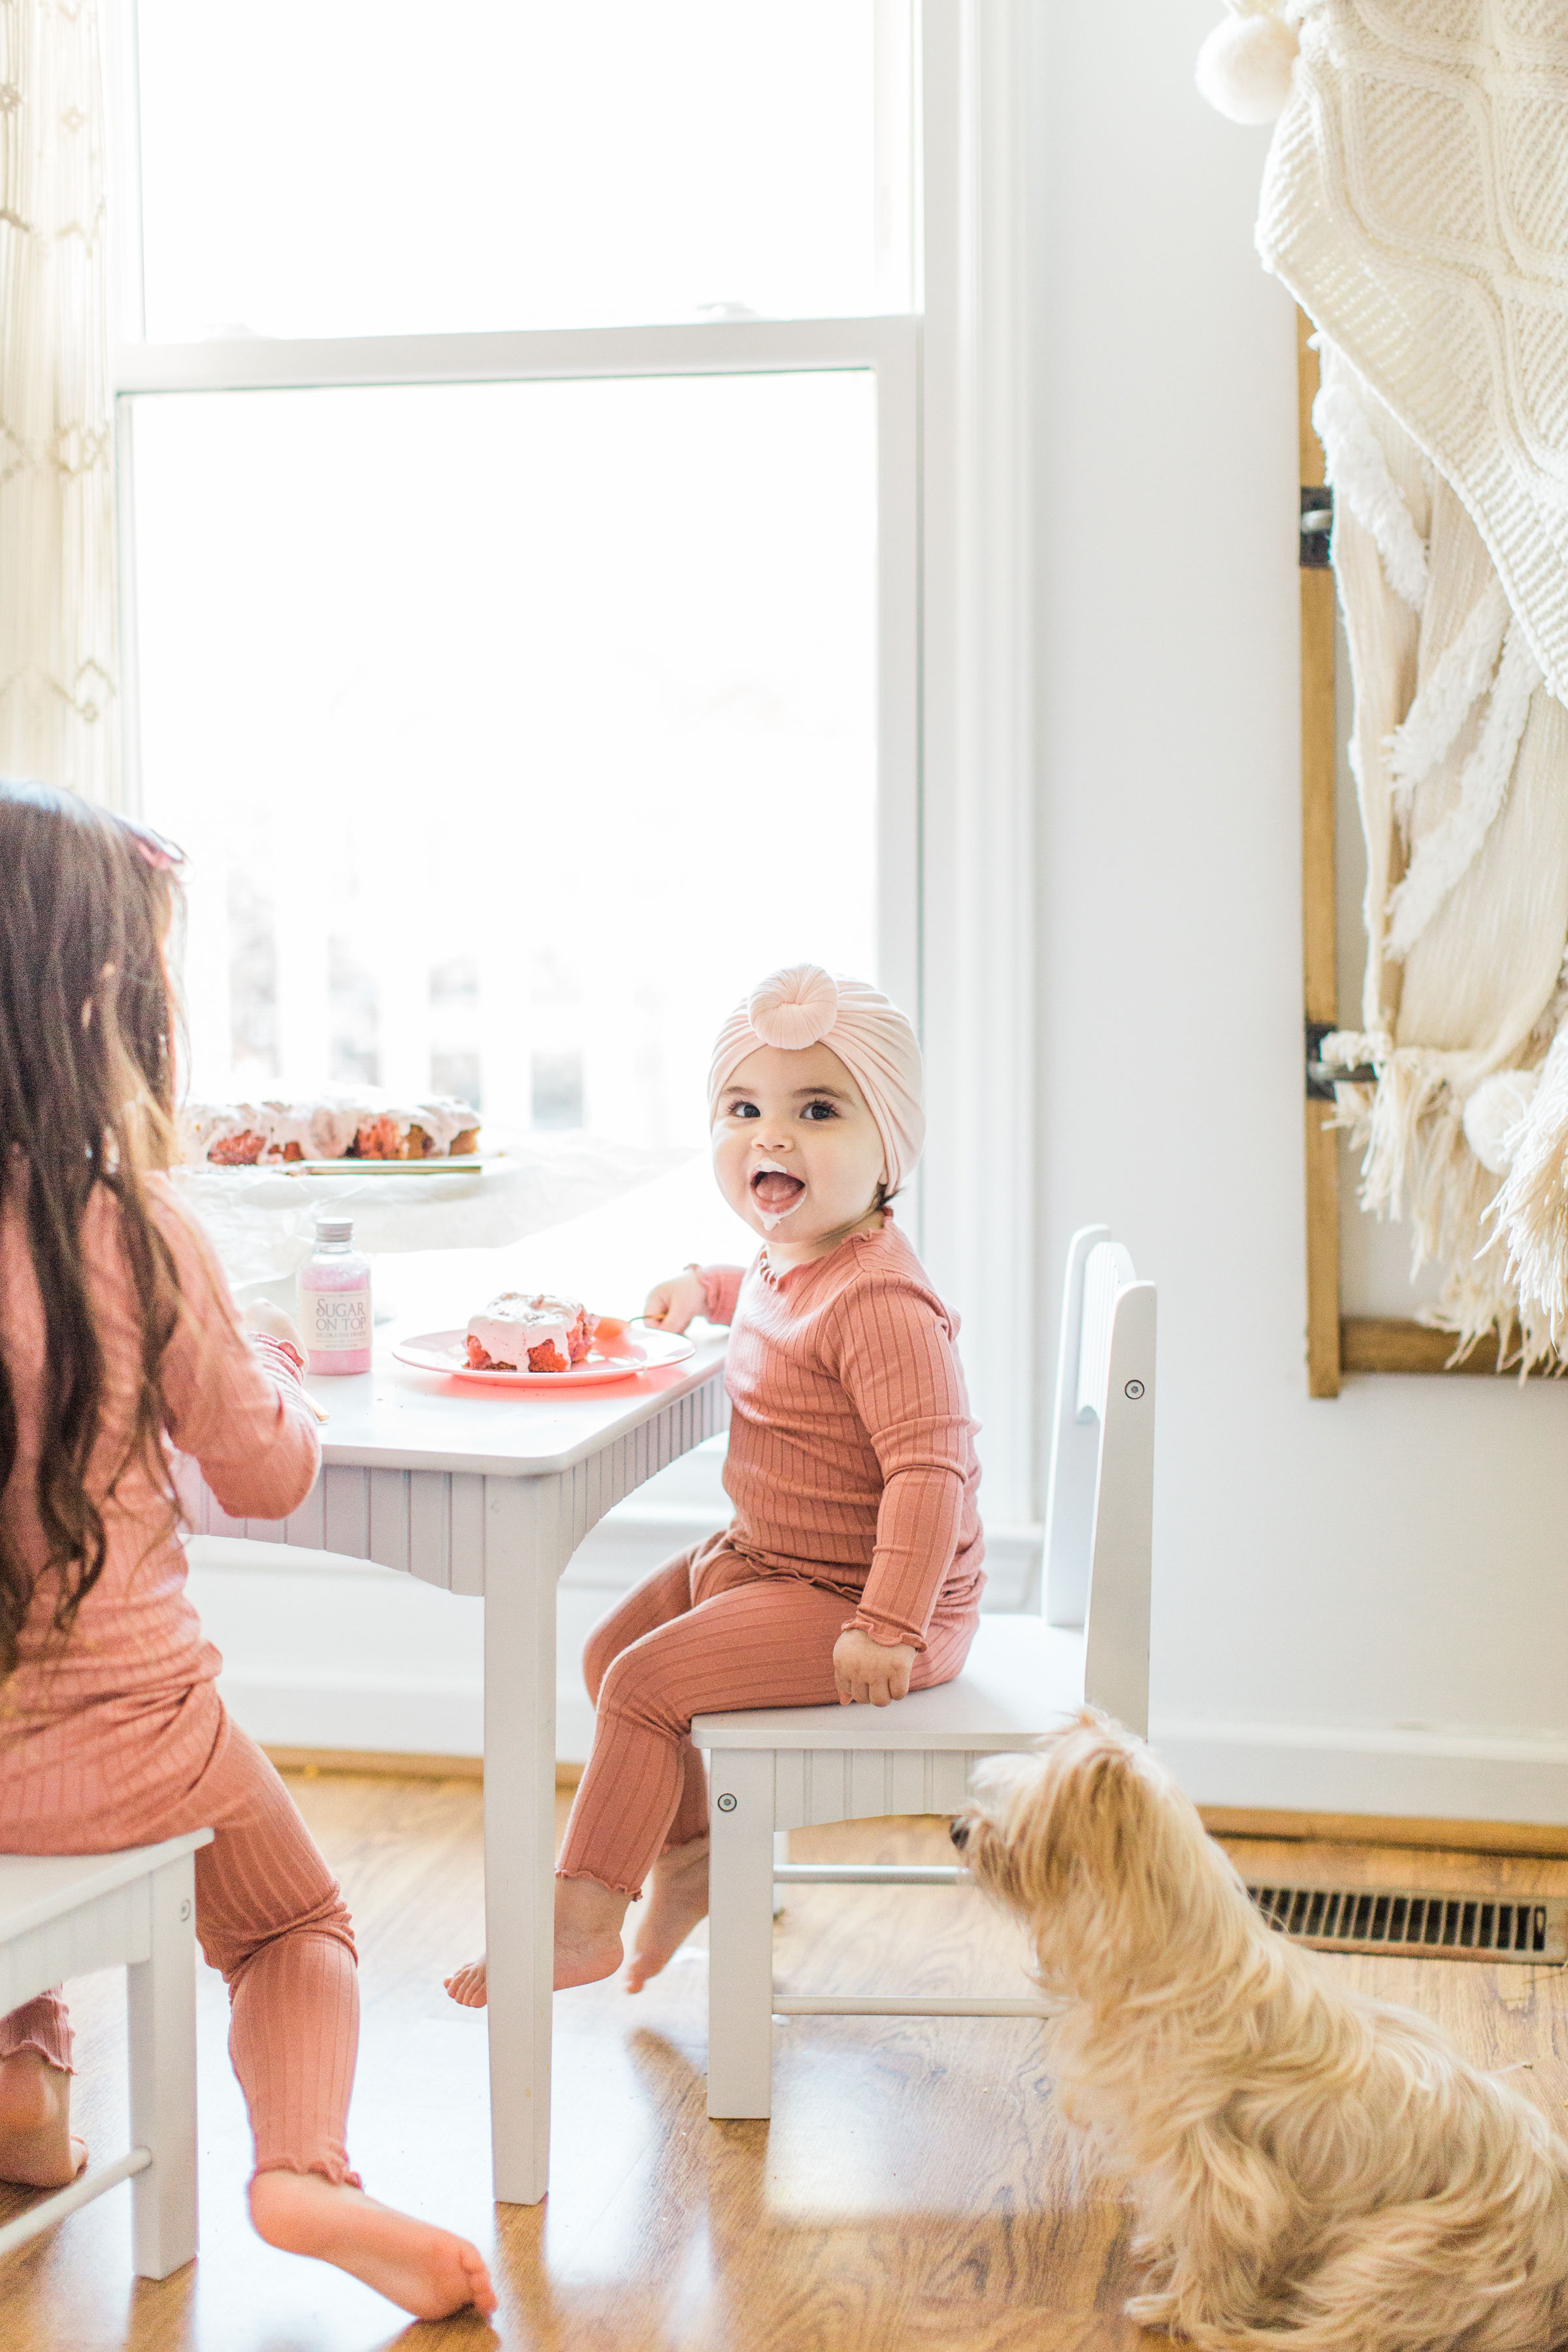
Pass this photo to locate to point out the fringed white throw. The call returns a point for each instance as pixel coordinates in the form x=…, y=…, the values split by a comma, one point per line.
x=58, y=657
x=1415, y=203
x=1460, y=756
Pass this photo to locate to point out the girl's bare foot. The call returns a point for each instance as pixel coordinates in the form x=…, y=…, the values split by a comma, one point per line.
x=36, y=2149
x=587, y=1941
x=677, y=1899
x=423, y=2270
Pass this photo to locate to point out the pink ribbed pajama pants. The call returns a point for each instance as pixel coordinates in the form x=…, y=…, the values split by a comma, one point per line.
x=709, y=1632
x=271, y=1919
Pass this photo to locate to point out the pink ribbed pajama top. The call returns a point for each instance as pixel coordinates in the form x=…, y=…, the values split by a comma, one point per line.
x=853, y=1473
x=115, y=1736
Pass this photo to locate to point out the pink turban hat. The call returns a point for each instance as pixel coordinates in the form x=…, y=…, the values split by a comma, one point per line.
x=804, y=1006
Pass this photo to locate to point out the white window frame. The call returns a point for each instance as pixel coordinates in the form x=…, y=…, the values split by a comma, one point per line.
x=981, y=1207
x=955, y=848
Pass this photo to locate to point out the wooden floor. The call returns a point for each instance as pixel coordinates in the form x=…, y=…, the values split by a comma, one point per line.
x=912, y=2193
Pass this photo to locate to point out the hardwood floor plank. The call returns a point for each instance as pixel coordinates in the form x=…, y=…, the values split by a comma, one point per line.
x=915, y=2191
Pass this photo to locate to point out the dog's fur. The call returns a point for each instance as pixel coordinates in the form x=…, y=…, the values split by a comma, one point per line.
x=1313, y=2171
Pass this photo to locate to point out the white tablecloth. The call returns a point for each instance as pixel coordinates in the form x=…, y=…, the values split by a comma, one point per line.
x=262, y=1221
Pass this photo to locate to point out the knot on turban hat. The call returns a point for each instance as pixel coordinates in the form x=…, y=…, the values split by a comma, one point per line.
x=804, y=1006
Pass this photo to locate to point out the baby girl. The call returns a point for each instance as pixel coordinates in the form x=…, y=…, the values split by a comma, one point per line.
x=851, y=1568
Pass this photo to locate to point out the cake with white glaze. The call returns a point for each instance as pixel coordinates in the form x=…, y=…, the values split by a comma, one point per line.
x=337, y=1123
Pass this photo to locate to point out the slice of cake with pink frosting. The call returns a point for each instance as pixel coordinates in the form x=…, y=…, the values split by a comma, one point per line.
x=535, y=1332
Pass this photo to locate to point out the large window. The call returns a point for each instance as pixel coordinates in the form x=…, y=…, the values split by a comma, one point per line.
x=368, y=167
x=519, y=473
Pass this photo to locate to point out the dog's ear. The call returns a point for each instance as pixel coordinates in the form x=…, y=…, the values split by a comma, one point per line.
x=1108, y=1816
x=1089, y=1842
x=1143, y=1858
x=1118, y=1806
x=1089, y=1808
x=1044, y=1817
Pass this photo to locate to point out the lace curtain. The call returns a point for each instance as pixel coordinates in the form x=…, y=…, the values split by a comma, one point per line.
x=57, y=652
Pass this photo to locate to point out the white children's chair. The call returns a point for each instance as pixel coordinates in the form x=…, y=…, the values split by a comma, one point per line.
x=776, y=1768
x=63, y=1914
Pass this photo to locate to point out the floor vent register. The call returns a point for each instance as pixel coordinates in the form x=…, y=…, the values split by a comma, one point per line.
x=1534, y=1928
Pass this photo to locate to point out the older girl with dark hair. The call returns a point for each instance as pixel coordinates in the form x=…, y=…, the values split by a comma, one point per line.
x=119, y=1341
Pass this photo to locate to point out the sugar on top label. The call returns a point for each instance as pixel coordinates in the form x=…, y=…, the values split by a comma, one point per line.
x=334, y=1300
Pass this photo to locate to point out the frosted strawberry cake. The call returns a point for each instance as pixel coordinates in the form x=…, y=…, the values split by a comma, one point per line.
x=518, y=1332
x=339, y=1123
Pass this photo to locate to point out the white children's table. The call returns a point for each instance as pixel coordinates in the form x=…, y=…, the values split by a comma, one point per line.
x=490, y=1491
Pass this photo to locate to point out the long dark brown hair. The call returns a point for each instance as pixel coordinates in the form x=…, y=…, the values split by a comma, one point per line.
x=87, y=1094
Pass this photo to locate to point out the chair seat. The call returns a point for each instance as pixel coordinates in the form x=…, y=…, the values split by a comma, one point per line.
x=37, y=1888
x=1020, y=1678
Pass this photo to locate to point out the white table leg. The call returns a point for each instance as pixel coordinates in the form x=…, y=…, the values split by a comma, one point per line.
x=161, y=2005
x=522, y=1561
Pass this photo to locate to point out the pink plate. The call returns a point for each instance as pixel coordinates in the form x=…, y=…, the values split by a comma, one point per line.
x=649, y=1352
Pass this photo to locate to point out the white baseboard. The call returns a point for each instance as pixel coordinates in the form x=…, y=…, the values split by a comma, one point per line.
x=1437, y=1775
x=331, y=1653
x=1302, y=1767
x=366, y=1716
x=370, y=1712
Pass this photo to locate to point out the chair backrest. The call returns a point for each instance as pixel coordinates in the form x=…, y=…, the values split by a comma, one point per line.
x=1099, y=1509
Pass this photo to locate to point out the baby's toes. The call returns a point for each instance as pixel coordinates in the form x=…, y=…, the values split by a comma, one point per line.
x=466, y=1984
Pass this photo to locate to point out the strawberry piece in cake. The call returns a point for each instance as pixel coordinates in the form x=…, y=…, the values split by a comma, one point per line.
x=424, y=1130
x=580, y=1325
x=380, y=1138
x=241, y=1150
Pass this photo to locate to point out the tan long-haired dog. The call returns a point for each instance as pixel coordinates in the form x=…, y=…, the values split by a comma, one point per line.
x=1313, y=2171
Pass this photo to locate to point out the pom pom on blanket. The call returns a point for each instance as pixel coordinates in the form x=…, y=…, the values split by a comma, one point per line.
x=1491, y=1114
x=1243, y=67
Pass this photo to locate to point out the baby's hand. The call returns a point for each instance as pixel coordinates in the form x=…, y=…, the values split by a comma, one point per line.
x=671, y=1305
x=870, y=1673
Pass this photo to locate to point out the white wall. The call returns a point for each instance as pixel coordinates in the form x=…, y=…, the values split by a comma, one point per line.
x=1362, y=1604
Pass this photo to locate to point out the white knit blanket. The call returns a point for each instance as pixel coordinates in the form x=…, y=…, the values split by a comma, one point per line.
x=1460, y=757
x=1416, y=202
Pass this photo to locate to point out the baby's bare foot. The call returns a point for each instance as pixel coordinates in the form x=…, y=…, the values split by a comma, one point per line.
x=587, y=1941
x=677, y=1899
x=424, y=2269
x=37, y=2148
x=466, y=1984
x=587, y=1931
